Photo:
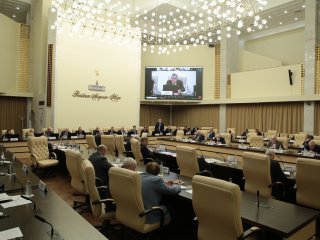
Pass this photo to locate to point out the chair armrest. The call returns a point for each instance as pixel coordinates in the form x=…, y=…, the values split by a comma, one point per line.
x=52, y=155
x=102, y=187
x=34, y=160
x=205, y=173
x=252, y=231
x=106, y=200
x=154, y=209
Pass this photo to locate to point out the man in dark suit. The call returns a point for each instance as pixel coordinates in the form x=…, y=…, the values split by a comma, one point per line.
x=159, y=127
x=122, y=131
x=65, y=134
x=101, y=166
x=312, y=147
x=97, y=131
x=175, y=85
x=48, y=132
x=133, y=131
x=274, y=143
x=219, y=139
x=80, y=133
x=152, y=188
x=146, y=153
x=199, y=137
x=112, y=131
x=211, y=134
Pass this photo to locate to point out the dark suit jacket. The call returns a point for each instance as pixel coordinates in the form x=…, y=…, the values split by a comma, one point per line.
x=132, y=131
x=315, y=150
x=79, y=133
x=199, y=137
x=123, y=133
x=101, y=167
x=277, y=174
x=146, y=153
x=152, y=187
x=179, y=85
x=159, y=126
x=211, y=135
x=64, y=135
x=222, y=140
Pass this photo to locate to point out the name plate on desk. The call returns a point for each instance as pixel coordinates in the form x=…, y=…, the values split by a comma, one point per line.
x=52, y=138
x=14, y=139
x=74, y=137
x=156, y=134
x=168, y=134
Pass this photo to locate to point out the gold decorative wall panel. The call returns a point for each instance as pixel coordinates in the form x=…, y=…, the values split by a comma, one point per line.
x=24, y=61
x=217, y=72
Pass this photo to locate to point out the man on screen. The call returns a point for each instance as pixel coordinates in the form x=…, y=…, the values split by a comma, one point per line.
x=174, y=85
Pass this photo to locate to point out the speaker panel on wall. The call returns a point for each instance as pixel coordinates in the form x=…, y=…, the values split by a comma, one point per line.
x=290, y=77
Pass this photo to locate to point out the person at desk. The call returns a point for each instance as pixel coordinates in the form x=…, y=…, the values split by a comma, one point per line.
x=122, y=131
x=48, y=132
x=80, y=132
x=133, y=131
x=219, y=139
x=146, y=153
x=274, y=143
x=65, y=134
x=199, y=137
x=152, y=189
x=308, y=139
x=101, y=167
x=245, y=133
x=312, y=147
x=7, y=135
x=168, y=131
x=97, y=131
x=211, y=134
x=144, y=130
x=159, y=127
x=174, y=85
x=258, y=132
x=112, y=131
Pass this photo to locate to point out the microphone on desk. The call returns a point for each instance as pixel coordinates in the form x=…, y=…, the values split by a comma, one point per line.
x=258, y=198
x=45, y=221
x=33, y=202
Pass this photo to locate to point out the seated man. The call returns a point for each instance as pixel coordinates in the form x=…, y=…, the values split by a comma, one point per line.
x=101, y=167
x=152, y=188
x=122, y=131
x=7, y=135
x=274, y=143
x=174, y=85
x=312, y=147
x=97, y=131
x=112, y=131
x=219, y=139
x=133, y=131
x=146, y=153
x=130, y=164
x=48, y=132
x=211, y=134
x=245, y=133
x=65, y=134
x=144, y=130
x=199, y=137
x=80, y=133
x=308, y=139
x=258, y=132
x=168, y=131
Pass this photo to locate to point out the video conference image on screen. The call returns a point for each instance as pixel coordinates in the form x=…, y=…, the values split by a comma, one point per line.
x=174, y=83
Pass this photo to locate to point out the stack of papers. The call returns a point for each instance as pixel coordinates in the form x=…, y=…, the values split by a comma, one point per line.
x=12, y=233
x=15, y=201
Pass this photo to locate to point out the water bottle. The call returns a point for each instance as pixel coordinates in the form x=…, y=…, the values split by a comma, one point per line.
x=28, y=189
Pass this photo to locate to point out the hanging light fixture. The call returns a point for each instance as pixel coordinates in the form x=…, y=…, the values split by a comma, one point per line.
x=168, y=27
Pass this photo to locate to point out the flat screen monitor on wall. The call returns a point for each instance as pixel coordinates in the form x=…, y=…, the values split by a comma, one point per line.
x=173, y=83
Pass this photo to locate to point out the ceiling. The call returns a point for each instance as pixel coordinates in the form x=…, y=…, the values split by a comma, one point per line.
x=288, y=12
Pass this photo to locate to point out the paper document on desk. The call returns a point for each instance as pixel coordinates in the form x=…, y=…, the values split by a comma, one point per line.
x=189, y=191
x=11, y=234
x=170, y=154
x=16, y=201
x=213, y=160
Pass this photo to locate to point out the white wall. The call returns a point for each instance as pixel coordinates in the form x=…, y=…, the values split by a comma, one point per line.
x=201, y=56
x=9, y=53
x=272, y=82
x=76, y=61
x=287, y=47
x=251, y=61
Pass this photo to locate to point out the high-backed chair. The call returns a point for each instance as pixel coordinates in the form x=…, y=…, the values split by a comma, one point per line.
x=251, y=130
x=232, y=130
x=249, y=135
x=119, y=141
x=256, y=170
x=91, y=142
x=98, y=206
x=136, y=150
x=316, y=137
x=256, y=141
x=227, y=137
x=73, y=162
x=214, y=221
x=24, y=133
x=125, y=188
x=109, y=141
x=285, y=141
x=283, y=135
x=299, y=139
x=317, y=141
x=187, y=160
x=307, y=179
x=39, y=153
x=151, y=129
x=272, y=132
x=179, y=134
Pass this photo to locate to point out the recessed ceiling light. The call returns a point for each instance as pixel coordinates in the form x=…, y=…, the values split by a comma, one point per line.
x=280, y=23
x=295, y=18
x=269, y=16
x=303, y=6
x=18, y=8
x=285, y=11
x=13, y=15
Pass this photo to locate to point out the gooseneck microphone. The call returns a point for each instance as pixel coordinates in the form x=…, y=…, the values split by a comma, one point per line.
x=45, y=221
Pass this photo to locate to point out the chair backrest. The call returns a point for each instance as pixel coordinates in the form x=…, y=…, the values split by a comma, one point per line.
x=316, y=137
x=251, y=130
x=317, y=141
x=151, y=129
x=89, y=177
x=256, y=170
x=307, y=179
x=299, y=139
x=283, y=135
x=249, y=135
x=227, y=137
x=272, y=132
x=256, y=141
x=214, y=221
x=232, y=130
x=3, y=132
x=136, y=150
x=187, y=160
x=73, y=162
x=179, y=134
x=125, y=188
x=38, y=146
x=110, y=142
x=91, y=142
x=24, y=133
x=120, y=145
x=206, y=128
x=285, y=141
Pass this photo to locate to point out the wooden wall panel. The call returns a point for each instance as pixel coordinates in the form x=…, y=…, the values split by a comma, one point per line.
x=149, y=114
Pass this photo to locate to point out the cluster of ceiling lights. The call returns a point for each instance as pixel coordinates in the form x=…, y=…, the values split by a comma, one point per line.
x=168, y=27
